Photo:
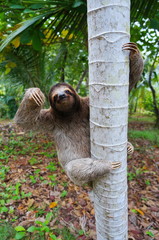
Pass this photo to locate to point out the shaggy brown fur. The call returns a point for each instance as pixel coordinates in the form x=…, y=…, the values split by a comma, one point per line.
x=67, y=120
x=136, y=64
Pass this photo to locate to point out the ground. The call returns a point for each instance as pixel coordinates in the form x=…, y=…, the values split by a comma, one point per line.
x=36, y=194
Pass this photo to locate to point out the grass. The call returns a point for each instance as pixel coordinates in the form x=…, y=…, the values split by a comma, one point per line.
x=37, y=152
x=6, y=231
x=43, y=171
x=142, y=118
x=151, y=135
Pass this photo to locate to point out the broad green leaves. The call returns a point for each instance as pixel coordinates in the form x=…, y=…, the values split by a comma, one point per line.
x=19, y=228
x=154, y=23
x=16, y=6
x=23, y=27
x=64, y=16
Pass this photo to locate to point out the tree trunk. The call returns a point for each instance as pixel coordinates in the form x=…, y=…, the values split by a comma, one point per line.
x=108, y=30
x=155, y=105
x=63, y=64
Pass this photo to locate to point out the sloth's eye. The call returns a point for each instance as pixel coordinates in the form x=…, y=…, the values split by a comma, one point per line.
x=68, y=92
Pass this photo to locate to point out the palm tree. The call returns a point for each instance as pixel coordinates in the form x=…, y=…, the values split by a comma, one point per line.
x=63, y=19
x=108, y=112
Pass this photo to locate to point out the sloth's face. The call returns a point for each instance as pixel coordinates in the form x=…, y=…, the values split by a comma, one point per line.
x=63, y=98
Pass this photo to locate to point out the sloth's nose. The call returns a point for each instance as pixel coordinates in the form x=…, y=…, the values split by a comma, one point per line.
x=62, y=96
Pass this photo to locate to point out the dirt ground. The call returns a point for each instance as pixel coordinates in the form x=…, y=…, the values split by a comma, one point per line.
x=74, y=210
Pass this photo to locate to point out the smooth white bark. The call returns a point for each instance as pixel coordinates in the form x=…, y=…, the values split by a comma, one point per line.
x=108, y=30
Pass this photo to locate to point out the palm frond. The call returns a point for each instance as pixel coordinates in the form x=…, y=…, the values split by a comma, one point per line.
x=71, y=16
x=21, y=29
x=143, y=9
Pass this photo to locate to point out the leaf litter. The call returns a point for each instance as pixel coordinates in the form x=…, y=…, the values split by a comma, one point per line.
x=33, y=185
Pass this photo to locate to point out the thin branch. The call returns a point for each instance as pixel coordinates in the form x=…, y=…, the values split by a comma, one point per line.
x=81, y=79
x=62, y=79
x=156, y=109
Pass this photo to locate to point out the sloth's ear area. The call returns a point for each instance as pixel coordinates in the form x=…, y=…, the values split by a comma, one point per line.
x=55, y=97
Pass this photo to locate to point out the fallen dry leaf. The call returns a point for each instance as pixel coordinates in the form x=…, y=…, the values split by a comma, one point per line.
x=53, y=204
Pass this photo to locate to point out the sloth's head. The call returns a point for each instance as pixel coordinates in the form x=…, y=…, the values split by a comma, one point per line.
x=64, y=99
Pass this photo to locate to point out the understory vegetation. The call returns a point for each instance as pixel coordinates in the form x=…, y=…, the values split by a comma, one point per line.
x=43, y=43
x=37, y=200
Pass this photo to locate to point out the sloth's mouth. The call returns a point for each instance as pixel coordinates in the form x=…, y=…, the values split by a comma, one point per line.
x=63, y=99
x=62, y=96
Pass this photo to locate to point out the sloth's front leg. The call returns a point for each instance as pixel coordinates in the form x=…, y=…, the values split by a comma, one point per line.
x=29, y=110
x=136, y=64
x=85, y=170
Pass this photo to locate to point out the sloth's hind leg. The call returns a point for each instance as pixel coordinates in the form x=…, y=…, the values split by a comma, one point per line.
x=85, y=170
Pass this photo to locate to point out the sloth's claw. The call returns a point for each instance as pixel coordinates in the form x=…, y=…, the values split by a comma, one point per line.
x=40, y=98
x=130, y=148
x=131, y=46
x=37, y=98
x=115, y=165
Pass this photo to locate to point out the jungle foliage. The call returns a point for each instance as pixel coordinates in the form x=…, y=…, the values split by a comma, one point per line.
x=44, y=42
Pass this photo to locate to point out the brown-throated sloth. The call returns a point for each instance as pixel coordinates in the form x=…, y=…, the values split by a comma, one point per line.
x=68, y=121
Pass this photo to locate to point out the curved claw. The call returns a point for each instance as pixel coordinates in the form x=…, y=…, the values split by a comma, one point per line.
x=116, y=165
x=130, y=148
x=37, y=98
x=130, y=43
x=131, y=46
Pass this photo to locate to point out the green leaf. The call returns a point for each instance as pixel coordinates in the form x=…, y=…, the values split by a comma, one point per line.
x=53, y=237
x=27, y=10
x=20, y=235
x=19, y=228
x=77, y=4
x=2, y=202
x=154, y=23
x=17, y=188
x=36, y=6
x=49, y=216
x=16, y=6
x=81, y=232
x=26, y=37
x=63, y=194
x=37, y=44
x=45, y=229
x=133, y=210
x=3, y=209
x=31, y=229
x=39, y=222
x=149, y=233
x=24, y=26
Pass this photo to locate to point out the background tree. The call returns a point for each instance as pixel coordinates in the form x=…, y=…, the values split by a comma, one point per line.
x=145, y=97
x=56, y=21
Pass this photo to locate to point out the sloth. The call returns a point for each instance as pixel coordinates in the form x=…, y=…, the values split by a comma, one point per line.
x=67, y=120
